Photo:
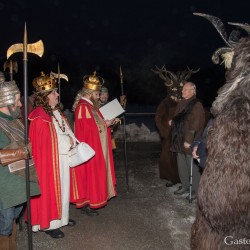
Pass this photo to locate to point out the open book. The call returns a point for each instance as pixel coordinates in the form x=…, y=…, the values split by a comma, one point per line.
x=111, y=110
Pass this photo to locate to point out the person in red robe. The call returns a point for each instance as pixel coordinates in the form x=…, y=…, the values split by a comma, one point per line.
x=51, y=139
x=93, y=183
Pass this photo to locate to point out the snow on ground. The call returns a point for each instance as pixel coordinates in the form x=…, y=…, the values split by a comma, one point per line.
x=136, y=133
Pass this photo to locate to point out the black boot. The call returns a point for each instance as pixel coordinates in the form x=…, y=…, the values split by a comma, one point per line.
x=71, y=223
x=169, y=184
x=90, y=212
x=55, y=233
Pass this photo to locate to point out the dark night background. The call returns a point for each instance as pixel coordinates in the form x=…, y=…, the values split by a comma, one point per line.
x=83, y=36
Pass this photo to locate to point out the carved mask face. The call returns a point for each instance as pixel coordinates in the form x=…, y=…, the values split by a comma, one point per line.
x=175, y=93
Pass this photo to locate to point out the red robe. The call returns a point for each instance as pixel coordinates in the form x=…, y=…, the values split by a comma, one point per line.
x=42, y=134
x=94, y=181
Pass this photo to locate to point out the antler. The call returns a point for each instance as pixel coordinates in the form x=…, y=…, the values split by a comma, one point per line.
x=186, y=74
x=166, y=75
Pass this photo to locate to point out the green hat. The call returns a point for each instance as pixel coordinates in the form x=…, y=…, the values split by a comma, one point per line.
x=104, y=90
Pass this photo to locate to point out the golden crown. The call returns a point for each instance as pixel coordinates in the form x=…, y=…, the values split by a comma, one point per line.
x=93, y=82
x=44, y=83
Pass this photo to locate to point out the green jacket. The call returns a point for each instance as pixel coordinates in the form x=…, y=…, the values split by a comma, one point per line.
x=12, y=186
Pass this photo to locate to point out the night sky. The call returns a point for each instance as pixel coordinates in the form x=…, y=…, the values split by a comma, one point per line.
x=83, y=36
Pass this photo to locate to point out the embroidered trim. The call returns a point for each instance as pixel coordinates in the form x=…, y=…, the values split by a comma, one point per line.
x=88, y=116
x=55, y=162
x=80, y=113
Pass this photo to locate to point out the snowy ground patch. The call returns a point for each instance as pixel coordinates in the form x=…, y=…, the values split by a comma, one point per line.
x=136, y=133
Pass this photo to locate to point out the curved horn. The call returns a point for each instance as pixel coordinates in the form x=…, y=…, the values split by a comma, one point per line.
x=55, y=75
x=216, y=55
x=244, y=26
x=217, y=23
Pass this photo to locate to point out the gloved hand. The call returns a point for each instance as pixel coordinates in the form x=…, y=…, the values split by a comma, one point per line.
x=123, y=101
x=8, y=156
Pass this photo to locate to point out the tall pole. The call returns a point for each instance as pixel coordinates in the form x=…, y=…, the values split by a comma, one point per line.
x=25, y=82
x=38, y=49
x=123, y=103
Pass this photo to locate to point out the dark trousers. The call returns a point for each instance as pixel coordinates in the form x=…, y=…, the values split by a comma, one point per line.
x=184, y=168
x=6, y=219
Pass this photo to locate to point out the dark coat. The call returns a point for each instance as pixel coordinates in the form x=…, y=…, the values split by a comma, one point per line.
x=167, y=163
x=12, y=185
x=187, y=124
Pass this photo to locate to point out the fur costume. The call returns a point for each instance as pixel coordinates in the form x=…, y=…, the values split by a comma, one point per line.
x=224, y=189
x=164, y=113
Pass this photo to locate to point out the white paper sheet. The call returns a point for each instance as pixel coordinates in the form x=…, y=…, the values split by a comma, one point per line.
x=111, y=110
